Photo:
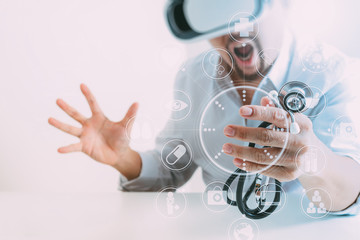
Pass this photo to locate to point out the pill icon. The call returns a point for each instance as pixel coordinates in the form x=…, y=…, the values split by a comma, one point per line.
x=175, y=155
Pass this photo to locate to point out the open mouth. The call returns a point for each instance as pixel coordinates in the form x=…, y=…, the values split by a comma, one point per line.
x=244, y=52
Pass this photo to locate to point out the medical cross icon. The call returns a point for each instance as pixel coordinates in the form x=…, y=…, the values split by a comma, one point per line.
x=244, y=32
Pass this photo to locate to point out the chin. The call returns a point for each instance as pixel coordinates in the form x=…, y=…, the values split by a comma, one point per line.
x=249, y=72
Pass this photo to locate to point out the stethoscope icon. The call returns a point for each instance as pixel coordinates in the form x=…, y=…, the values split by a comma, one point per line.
x=293, y=97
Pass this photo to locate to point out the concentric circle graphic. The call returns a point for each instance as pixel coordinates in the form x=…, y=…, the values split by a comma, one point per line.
x=313, y=160
x=176, y=155
x=314, y=58
x=317, y=103
x=223, y=110
x=344, y=128
x=267, y=194
x=267, y=59
x=140, y=130
x=243, y=27
x=243, y=228
x=177, y=105
x=315, y=207
x=170, y=204
x=212, y=63
x=214, y=198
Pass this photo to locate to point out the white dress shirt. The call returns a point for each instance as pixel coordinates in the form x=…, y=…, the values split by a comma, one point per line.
x=337, y=83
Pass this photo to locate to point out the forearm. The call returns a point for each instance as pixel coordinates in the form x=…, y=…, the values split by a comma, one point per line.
x=129, y=164
x=154, y=176
x=340, y=178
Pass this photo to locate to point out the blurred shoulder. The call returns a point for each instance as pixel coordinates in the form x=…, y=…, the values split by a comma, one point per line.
x=325, y=67
x=191, y=75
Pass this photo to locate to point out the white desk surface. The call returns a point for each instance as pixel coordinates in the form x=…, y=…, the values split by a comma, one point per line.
x=67, y=216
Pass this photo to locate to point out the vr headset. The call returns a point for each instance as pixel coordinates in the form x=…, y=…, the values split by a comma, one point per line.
x=204, y=19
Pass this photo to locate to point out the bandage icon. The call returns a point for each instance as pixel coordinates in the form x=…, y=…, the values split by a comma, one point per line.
x=175, y=155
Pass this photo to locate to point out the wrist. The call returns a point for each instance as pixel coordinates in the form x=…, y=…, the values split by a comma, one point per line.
x=129, y=164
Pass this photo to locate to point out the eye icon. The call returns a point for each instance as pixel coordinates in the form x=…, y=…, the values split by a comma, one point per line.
x=177, y=105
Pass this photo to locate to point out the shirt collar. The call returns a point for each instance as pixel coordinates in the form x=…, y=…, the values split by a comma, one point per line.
x=279, y=71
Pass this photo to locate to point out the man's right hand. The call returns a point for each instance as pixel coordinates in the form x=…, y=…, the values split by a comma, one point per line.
x=103, y=140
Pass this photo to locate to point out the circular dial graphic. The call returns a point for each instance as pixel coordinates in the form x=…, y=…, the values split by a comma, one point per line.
x=243, y=27
x=223, y=110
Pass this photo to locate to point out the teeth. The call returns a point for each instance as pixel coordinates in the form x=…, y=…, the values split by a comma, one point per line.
x=241, y=45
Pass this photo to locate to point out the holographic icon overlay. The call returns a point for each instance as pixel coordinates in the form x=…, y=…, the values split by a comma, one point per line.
x=266, y=195
x=213, y=63
x=141, y=130
x=266, y=58
x=343, y=128
x=178, y=106
x=170, y=204
x=312, y=159
x=243, y=27
x=313, y=203
x=176, y=155
x=223, y=110
x=315, y=58
x=214, y=198
x=243, y=228
x=316, y=103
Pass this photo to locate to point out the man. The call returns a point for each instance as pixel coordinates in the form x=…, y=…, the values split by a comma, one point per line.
x=107, y=141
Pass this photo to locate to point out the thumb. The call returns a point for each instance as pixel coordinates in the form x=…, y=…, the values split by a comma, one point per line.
x=129, y=118
x=266, y=101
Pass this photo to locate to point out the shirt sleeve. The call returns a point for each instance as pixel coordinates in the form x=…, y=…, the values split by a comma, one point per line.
x=154, y=176
x=337, y=125
x=352, y=210
x=148, y=175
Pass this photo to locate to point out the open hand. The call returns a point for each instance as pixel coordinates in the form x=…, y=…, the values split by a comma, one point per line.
x=103, y=140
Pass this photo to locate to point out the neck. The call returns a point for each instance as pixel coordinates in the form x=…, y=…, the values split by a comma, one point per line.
x=250, y=93
x=242, y=81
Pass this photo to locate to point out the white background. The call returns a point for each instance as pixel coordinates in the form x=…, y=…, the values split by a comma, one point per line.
x=124, y=52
